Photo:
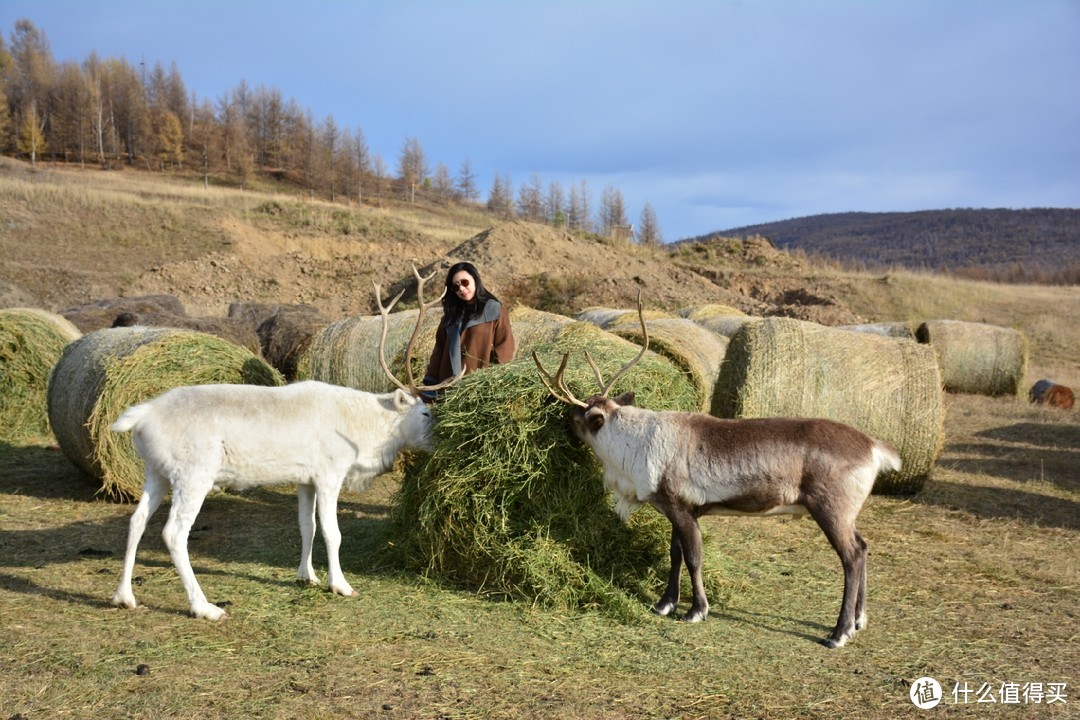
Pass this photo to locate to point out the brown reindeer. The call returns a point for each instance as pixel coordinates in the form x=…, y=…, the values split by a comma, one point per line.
x=688, y=464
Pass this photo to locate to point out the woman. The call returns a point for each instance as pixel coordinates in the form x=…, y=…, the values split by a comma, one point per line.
x=475, y=328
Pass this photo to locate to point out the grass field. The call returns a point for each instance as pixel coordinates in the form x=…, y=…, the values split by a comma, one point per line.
x=974, y=581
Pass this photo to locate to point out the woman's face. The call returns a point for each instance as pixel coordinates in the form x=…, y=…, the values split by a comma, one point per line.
x=464, y=285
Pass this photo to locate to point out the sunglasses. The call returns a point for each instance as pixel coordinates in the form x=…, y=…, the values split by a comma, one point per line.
x=458, y=285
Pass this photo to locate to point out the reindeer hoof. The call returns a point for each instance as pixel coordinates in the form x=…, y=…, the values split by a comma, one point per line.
x=695, y=616
x=663, y=608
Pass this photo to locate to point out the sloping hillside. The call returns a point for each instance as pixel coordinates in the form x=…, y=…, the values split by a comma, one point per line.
x=1041, y=240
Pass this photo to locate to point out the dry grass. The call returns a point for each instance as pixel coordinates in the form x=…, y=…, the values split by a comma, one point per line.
x=975, y=580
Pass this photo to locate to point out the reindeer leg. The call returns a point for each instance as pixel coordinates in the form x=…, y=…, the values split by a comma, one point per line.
x=670, y=599
x=305, y=573
x=860, y=604
x=153, y=493
x=686, y=525
x=326, y=498
x=846, y=541
x=187, y=499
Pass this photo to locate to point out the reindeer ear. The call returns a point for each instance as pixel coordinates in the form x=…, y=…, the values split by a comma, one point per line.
x=403, y=400
x=594, y=420
x=627, y=398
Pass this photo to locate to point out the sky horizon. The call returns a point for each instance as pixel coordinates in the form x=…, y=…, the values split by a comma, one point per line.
x=718, y=114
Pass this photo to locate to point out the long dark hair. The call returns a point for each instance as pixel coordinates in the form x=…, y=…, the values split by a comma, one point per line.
x=453, y=308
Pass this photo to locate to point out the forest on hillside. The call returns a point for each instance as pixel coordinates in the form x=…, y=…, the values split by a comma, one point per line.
x=1037, y=245
x=111, y=113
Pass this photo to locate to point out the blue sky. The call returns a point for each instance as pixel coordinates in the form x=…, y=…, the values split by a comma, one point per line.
x=719, y=114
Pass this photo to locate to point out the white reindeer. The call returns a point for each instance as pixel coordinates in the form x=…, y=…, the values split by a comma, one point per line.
x=319, y=436
x=688, y=464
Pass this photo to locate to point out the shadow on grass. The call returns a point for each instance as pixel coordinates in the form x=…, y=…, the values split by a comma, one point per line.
x=1002, y=503
x=1058, y=437
x=777, y=624
x=43, y=471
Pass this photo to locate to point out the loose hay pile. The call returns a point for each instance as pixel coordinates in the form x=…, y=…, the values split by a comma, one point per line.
x=31, y=342
x=691, y=347
x=888, y=388
x=511, y=505
x=346, y=352
x=104, y=372
x=977, y=358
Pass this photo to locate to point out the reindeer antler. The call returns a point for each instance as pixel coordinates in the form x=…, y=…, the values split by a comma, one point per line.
x=412, y=387
x=560, y=384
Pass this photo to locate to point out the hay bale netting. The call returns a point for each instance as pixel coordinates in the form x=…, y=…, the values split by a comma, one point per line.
x=235, y=331
x=106, y=371
x=888, y=329
x=346, y=352
x=889, y=388
x=694, y=349
x=286, y=334
x=102, y=313
x=31, y=342
x=702, y=312
x=977, y=358
x=511, y=505
x=605, y=317
x=726, y=325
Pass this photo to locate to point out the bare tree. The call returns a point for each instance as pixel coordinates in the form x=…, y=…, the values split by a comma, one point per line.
x=612, y=213
x=530, y=204
x=362, y=158
x=580, y=206
x=378, y=168
x=500, y=199
x=555, y=204
x=412, y=167
x=648, y=228
x=442, y=185
x=466, y=182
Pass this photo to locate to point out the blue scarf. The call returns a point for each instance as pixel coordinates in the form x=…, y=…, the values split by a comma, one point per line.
x=491, y=312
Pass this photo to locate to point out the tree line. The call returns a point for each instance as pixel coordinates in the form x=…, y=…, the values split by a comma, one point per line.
x=108, y=112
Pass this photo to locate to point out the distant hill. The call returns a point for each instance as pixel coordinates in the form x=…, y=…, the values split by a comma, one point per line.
x=1036, y=245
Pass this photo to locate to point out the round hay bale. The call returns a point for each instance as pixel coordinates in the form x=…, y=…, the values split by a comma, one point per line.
x=31, y=342
x=977, y=358
x=888, y=329
x=106, y=371
x=346, y=352
x=606, y=317
x=694, y=349
x=510, y=504
x=886, y=387
x=102, y=313
x=726, y=325
x=234, y=330
x=703, y=312
x=533, y=328
x=286, y=334
x=255, y=314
